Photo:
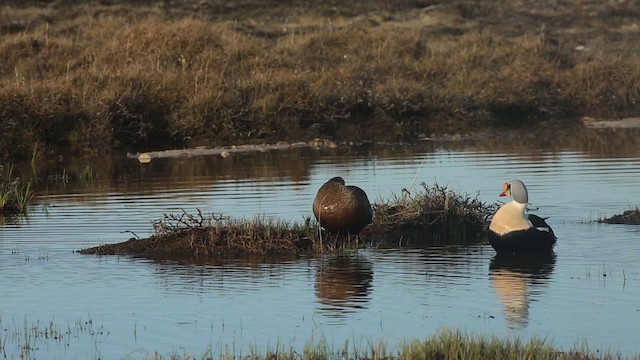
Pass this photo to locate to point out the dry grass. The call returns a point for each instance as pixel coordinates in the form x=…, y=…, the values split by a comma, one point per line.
x=629, y=217
x=37, y=337
x=87, y=77
x=196, y=236
x=435, y=215
x=454, y=344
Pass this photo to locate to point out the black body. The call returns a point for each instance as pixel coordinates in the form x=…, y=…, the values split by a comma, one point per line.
x=530, y=241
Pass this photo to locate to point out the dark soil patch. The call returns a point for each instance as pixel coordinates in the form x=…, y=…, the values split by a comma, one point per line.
x=202, y=242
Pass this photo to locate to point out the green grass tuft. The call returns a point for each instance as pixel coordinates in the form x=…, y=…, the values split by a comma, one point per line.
x=15, y=194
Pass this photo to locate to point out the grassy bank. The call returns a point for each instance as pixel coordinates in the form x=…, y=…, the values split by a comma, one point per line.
x=433, y=215
x=92, y=76
x=36, y=338
x=444, y=345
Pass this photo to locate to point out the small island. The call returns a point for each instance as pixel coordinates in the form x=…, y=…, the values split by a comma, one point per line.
x=431, y=215
x=629, y=217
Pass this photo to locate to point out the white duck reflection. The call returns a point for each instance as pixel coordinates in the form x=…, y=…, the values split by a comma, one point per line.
x=515, y=279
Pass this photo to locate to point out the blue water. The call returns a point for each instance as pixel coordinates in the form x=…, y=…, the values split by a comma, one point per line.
x=115, y=307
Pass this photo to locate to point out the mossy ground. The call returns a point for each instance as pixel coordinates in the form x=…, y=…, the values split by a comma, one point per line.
x=89, y=77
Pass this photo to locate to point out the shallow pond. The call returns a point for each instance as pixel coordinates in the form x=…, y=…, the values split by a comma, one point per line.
x=113, y=307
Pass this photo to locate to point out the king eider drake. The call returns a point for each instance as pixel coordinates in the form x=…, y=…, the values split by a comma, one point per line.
x=513, y=231
x=342, y=209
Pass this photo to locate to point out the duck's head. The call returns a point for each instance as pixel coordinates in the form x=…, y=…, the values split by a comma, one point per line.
x=337, y=179
x=517, y=191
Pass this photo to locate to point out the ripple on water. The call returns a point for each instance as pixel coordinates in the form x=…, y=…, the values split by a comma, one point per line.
x=588, y=290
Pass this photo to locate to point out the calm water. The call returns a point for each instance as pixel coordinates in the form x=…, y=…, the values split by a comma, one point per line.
x=115, y=307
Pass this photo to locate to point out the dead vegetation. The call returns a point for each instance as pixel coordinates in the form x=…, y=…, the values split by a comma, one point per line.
x=91, y=76
x=629, y=217
x=434, y=215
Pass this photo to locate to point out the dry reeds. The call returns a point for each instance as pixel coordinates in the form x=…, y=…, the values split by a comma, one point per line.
x=194, y=236
x=199, y=236
x=629, y=217
x=89, y=78
x=434, y=216
x=456, y=345
x=37, y=337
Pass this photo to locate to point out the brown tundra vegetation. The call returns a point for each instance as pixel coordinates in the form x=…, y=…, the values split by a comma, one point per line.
x=90, y=77
x=433, y=215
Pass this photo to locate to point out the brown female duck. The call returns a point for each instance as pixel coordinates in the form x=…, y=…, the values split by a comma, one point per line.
x=342, y=209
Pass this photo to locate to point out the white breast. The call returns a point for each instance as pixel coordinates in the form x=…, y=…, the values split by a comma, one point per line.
x=510, y=217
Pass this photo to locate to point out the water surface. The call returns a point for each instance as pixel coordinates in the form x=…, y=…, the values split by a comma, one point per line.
x=119, y=306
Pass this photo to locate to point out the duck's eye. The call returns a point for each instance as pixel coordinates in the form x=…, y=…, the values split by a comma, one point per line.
x=506, y=187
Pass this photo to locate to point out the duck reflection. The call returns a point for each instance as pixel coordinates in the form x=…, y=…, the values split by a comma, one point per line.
x=517, y=280
x=222, y=275
x=343, y=284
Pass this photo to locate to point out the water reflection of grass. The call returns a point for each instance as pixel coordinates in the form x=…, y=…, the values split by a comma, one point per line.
x=81, y=175
x=595, y=143
x=434, y=215
x=296, y=164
